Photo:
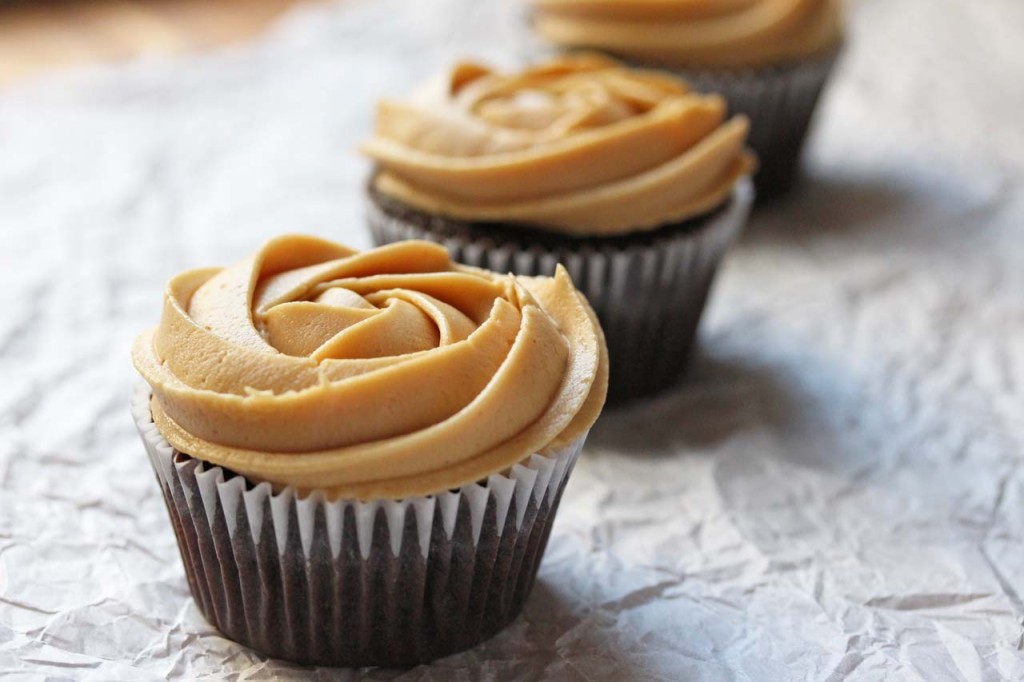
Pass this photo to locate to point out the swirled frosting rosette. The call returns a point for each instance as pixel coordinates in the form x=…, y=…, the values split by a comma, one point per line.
x=688, y=33
x=579, y=146
x=383, y=374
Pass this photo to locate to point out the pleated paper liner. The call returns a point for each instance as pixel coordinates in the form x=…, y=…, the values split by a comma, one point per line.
x=387, y=583
x=780, y=102
x=648, y=289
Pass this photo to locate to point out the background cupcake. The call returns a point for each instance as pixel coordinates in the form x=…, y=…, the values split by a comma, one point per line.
x=770, y=59
x=627, y=177
x=362, y=453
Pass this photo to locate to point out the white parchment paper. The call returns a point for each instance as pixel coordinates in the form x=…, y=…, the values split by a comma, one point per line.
x=836, y=494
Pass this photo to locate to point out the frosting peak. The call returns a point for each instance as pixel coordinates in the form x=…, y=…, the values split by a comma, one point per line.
x=580, y=145
x=692, y=33
x=387, y=373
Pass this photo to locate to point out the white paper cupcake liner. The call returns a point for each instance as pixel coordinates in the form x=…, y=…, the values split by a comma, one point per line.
x=348, y=583
x=648, y=290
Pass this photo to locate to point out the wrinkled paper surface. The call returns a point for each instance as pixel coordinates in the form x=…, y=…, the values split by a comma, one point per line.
x=835, y=494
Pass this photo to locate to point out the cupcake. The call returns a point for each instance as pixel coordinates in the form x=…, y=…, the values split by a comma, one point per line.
x=362, y=453
x=770, y=59
x=632, y=181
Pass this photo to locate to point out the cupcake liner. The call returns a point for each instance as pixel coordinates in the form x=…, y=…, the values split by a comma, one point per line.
x=347, y=583
x=648, y=289
x=780, y=101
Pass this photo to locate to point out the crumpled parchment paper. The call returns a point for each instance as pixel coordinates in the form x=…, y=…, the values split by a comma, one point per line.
x=835, y=494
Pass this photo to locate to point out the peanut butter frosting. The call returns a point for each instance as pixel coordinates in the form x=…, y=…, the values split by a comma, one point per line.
x=383, y=374
x=580, y=145
x=688, y=33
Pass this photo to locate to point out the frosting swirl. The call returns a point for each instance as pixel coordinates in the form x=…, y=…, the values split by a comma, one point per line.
x=387, y=373
x=579, y=145
x=686, y=33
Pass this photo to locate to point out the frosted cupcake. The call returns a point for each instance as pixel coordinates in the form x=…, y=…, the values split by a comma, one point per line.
x=632, y=181
x=770, y=59
x=362, y=453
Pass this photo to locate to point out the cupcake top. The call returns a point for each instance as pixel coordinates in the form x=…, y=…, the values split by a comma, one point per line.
x=382, y=374
x=579, y=145
x=689, y=33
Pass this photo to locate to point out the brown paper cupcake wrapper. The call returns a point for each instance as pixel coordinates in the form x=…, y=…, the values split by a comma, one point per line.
x=347, y=583
x=780, y=101
x=648, y=290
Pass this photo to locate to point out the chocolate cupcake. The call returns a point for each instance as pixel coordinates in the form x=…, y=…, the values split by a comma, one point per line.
x=770, y=59
x=362, y=453
x=632, y=181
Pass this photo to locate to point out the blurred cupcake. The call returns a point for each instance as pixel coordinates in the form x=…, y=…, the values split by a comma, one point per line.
x=362, y=453
x=633, y=182
x=770, y=59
